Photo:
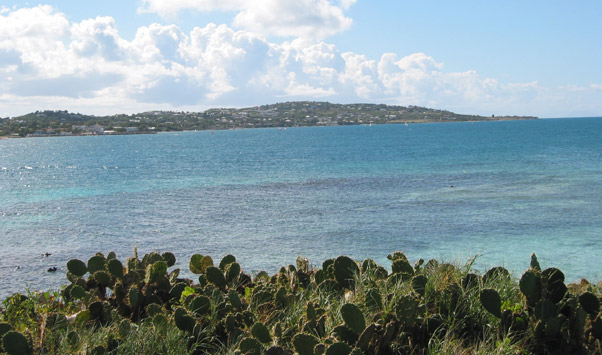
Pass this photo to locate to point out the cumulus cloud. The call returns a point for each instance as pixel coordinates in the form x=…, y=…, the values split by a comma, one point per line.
x=283, y=18
x=88, y=66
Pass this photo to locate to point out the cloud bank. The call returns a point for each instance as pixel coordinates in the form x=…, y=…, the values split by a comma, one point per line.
x=48, y=62
x=286, y=18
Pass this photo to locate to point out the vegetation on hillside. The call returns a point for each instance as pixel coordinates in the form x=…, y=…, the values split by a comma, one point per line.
x=344, y=307
x=287, y=114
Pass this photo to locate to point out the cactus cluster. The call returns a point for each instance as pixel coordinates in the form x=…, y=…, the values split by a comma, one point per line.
x=344, y=307
x=561, y=321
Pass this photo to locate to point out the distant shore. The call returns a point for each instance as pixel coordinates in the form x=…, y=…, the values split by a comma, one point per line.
x=286, y=114
x=396, y=122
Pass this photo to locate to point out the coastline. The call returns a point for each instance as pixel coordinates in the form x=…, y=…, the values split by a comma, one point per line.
x=395, y=122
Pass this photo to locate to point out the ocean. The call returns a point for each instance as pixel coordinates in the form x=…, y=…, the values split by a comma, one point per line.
x=452, y=191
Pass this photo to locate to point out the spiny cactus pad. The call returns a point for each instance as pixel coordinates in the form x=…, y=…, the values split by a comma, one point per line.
x=345, y=271
x=115, y=267
x=226, y=260
x=102, y=278
x=77, y=292
x=200, y=305
x=232, y=272
x=169, y=258
x=261, y=332
x=15, y=343
x=531, y=286
x=353, y=317
x=250, y=346
x=338, y=349
x=96, y=263
x=590, y=303
x=555, y=288
x=77, y=267
x=419, y=284
x=402, y=266
x=183, y=320
x=491, y=301
x=304, y=343
x=215, y=276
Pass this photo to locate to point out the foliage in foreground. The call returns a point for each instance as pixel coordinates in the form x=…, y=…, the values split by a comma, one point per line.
x=344, y=307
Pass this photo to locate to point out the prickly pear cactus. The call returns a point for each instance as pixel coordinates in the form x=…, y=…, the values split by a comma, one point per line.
x=338, y=349
x=491, y=301
x=115, y=268
x=590, y=303
x=226, y=260
x=77, y=267
x=200, y=305
x=169, y=258
x=15, y=343
x=250, y=346
x=304, y=343
x=183, y=320
x=353, y=317
x=419, y=284
x=96, y=263
x=261, y=333
x=531, y=286
x=555, y=287
x=232, y=272
x=345, y=271
x=215, y=276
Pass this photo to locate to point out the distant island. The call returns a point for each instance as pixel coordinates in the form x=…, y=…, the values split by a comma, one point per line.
x=287, y=114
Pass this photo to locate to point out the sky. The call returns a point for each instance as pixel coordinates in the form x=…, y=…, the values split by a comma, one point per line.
x=510, y=57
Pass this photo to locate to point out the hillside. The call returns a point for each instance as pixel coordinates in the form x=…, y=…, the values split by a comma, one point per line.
x=287, y=114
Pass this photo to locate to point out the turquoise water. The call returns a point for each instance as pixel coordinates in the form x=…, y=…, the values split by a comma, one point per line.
x=269, y=195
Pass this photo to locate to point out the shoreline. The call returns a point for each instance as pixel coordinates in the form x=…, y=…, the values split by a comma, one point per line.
x=394, y=122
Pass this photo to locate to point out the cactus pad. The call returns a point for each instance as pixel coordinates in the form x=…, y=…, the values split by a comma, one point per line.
x=419, y=284
x=531, y=286
x=77, y=267
x=304, y=344
x=115, y=267
x=232, y=272
x=353, y=317
x=491, y=301
x=226, y=260
x=96, y=263
x=338, y=349
x=261, y=332
x=345, y=271
x=215, y=276
x=590, y=303
x=169, y=258
x=250, y=346
x=200, y=305
x=15, y=343
x=102, y=278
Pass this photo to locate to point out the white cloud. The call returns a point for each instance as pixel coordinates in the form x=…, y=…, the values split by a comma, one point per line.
x=304, y=91
x=284, y=18
x=172, y=7
x=346, y=4
x=97, y=37
x=47, y=62
x=596, y=87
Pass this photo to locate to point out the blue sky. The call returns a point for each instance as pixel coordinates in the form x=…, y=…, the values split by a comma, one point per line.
x=513, y=57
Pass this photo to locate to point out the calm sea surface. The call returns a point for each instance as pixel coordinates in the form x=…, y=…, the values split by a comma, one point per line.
x=501, y=190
